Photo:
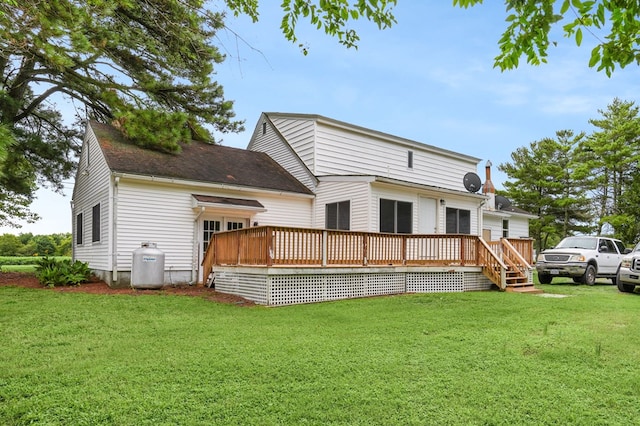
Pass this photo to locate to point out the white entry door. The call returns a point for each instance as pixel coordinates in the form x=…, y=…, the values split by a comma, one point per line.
x=210, y=226
x=428, y=216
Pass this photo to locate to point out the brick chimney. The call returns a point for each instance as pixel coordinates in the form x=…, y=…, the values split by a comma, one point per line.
x=488, y=189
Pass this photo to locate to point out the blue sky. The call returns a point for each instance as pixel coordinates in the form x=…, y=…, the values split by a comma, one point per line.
x=430, y=78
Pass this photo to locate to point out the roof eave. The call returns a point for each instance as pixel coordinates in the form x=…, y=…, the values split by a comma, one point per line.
x=210, y=185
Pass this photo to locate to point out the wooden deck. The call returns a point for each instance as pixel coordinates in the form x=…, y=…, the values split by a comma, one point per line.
x=507, y=263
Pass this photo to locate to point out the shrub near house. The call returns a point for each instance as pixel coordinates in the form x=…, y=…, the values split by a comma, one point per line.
x=52, y=272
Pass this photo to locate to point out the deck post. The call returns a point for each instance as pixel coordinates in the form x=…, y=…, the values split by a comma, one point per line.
x=269, y=246
x=324, y=248
x=214, y=240
x=238, y=251
x=365, y=247
x=404, y=250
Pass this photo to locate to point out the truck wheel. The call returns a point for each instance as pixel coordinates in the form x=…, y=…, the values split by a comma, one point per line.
x=544, y=278
x=625, y=288
x=589, y=277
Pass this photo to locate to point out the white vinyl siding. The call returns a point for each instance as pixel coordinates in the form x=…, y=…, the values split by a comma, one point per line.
x=272, y=144
x=518, y=227
x=401, y=194
x=283, y=210
x=340, y=152
x=92, y=187
x=159, y=214
x=356, y=192
x=164, y=214
x=494, y=224
x=300, y=134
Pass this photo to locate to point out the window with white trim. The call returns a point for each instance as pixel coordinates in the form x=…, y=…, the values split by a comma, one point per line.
x=458, y=221
x=209, y=227
x=396, y=216
x=338, y=215
x=505, y=228
x=232, y=226
x=79, y=228
x=95, y=223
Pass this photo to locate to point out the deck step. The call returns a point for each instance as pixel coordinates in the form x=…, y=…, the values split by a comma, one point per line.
x=523, y=288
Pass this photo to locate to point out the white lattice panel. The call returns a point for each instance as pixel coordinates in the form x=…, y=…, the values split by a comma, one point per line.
x=435, y=282
x=474, y=281
x=346, y=286
x=293, y=289
x=381, y=284
x=289, y=289
x=249, y=286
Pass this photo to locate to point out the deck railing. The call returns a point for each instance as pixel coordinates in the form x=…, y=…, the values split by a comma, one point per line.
x=524, y=246
x=283, y=246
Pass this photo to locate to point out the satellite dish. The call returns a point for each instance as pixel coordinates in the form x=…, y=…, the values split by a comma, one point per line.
x=472, y=182
x=502, y=202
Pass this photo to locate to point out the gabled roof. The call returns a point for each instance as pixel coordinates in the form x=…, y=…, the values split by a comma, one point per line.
x=389, y=138
x=197, y=161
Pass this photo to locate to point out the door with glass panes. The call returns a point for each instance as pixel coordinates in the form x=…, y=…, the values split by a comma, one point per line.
x=210, y=226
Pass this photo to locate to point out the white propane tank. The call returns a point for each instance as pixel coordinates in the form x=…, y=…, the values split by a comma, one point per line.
x=147, y=267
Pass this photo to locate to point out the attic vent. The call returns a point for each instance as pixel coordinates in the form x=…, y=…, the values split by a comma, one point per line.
x=410, y=159
x=264, y=128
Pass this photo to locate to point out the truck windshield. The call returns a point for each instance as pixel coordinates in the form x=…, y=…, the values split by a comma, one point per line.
x=578, y=242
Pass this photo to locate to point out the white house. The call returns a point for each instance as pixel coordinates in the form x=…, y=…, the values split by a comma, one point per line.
x=299, y=170
x=365, y=180
x=125, y=195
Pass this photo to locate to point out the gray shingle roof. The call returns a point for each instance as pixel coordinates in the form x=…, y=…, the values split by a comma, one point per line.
x=198, y=161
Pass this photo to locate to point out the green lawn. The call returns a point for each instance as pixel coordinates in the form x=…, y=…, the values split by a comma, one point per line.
x=18, y=268
x=458, y=358
x=23, y=263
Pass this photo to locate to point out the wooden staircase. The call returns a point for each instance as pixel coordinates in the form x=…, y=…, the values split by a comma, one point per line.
x=517, y=282
x=518, y=276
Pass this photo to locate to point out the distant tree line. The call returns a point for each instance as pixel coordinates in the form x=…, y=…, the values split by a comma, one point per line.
x=582, y=183
x=35, y=245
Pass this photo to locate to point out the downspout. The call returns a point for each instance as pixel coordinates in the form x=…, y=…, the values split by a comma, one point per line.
x=114, y=229
x=196, y=248
x=481, y=217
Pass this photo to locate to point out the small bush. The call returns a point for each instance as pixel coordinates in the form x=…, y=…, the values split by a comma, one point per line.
x=25, y=260
x=52, y=272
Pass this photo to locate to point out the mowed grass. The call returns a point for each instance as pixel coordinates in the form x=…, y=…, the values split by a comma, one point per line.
x=18, y=268
x=459, y=358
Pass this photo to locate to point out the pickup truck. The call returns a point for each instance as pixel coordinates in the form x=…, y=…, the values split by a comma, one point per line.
x=583, y=258
x=629, y=271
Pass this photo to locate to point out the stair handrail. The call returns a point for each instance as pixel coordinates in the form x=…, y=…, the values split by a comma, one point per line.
x=512, y=250
x=489, y=271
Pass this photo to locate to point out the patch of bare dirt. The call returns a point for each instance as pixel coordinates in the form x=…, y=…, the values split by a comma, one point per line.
x=95, y=286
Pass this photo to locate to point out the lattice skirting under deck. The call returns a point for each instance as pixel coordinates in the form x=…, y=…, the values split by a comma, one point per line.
x=266, y=287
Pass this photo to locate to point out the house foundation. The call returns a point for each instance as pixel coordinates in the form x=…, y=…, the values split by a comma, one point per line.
x=278, y=286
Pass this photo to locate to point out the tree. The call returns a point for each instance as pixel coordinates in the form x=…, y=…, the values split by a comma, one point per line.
x=613, y=25
x=541, y=181
x=145, y=66
x=331, y=16
x=31, y=245
x=9, y=245
x=610, y=161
